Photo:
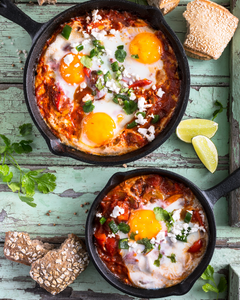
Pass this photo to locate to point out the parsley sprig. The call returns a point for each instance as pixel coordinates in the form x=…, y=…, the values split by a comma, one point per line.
x=28, y=181
x=219, y=110
x=146, y=242
x=208, y=287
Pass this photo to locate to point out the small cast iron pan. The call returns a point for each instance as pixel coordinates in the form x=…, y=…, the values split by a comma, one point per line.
x=207, y=198
x=40, y=33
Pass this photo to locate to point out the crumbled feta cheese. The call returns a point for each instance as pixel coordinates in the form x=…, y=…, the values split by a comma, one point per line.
x=160, y=93
x=86, y=42
x=67, y=75
x=117, y=211
x=153, y=240
x=108, y=52
x=136, y=231
x=112, y=86
x=88, y=19
x=99, y=35
x=112, y=31
x=148, y=133
x=154, y=87
x=160, y=236
x=111, y=235
x=85, y=35
x=77, y=65
x=74, y=51
x=83, y=85
x=142, y=106
x=176, y=215
x=132, y=244
x=172, y=237
x=68, y=59
x=98, y=215
x=140, y=119
x=95, y=16
x=87, y=98
x=126, y=74
x=132, y=96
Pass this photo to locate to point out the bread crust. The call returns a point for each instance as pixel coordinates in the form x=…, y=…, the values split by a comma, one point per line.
x=210, y=28
x=166, y=6
x=20, y=248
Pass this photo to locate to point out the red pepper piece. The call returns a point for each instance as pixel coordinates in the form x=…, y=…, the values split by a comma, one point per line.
x=196, y=218
x=87, y=72
x=140, y=83
x=195, y=247
x=101, y=238
x=111, y=246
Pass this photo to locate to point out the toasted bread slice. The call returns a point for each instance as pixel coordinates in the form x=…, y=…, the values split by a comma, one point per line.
x=211, y=27
x=164, y=5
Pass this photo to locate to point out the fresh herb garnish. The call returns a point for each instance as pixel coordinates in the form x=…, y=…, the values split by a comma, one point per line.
x=120, y=54
x=135, y=56
x=219, y=110
x=157, y=261
x=79, y=48
x=119, y=96
x=99, y=84
x=184, y=235
x=123, y=244
x=163, y=215
x=102, y=220
x=115, y=66
x=188, y=217
x=147, y=244
x=172, y=257
x=94, y=52
x=29, y=181
x=131, y=125
x=107, y=76
x=129, y=106
x=208, y=275
x=96, y=43
x=86, y=61
x=155, y=119
x=99, y=72
x=125, y=228
x=143, y=113
x=132, y=235
x=88, y=106
x=113, y=226
x=66, y=31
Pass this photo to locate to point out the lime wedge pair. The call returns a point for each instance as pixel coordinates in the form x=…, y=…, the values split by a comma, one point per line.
x=198, y=132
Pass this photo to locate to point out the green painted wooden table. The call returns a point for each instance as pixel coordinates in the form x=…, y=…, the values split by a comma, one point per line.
x=78, y=183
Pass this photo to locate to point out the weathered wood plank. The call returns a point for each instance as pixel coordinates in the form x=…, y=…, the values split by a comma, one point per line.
x=17, y=284
x=234, y=204
x=234, y=283
x=13, y=112
x=213, y=72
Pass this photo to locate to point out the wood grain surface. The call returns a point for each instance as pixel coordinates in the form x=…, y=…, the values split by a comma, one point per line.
x=78, y=183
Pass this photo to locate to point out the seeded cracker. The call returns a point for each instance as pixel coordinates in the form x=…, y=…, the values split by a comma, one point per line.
x=20, y=248
x=59, y=268
x=166, y=6
x=210, y=29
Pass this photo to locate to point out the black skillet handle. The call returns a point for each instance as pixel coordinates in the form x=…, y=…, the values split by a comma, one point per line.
x=232, y=182
x=13, y=13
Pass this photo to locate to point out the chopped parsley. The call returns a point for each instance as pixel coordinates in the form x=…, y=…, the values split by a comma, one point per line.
x=129, y=106
x=135, y=56
x=155, y=119
x=88, y=106
x=184, y=235
x=143, y=113
x=125, y=228
x=132, y=235
x=115, y=66
x=120, y=54
x=147, y=244
x=157, y=261
x=172, y=257
x=163, y=215
x=131, y=125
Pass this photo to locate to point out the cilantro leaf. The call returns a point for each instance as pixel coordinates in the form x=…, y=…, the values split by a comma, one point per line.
x=219, y=110
x=86, y=61
x=209, y=288
x=129, y=106
x=88, y=106
x=25, y=129
x=4, y=173
x=184, y=235
x=46, y=183
x=147, y=244
x=14, y=186
x=135, y=56
x=163, y=215
x=157, y=261
x=28, y=184
x=120, y=54
x=208, y=273
x=132, y=235
x=22, y=147
x=28, y=200
x=222, y=285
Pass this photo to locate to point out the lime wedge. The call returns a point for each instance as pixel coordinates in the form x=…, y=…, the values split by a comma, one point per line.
x=187, y=129
x=206, y=151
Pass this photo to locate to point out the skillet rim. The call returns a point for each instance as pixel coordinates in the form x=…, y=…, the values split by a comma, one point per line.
x=184, y=286
x=54, y=144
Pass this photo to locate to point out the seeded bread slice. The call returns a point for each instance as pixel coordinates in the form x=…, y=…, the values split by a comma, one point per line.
x=210, y=28
x=59, y=268
x=20, y=248
x=164, y=5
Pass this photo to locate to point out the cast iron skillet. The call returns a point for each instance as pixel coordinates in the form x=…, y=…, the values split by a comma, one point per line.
x=207, y=198
x=41, y=32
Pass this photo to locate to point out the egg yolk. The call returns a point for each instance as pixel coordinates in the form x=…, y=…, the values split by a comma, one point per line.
x=71, y=68
x=98, y=127
x=144, y=223
x=147, y=46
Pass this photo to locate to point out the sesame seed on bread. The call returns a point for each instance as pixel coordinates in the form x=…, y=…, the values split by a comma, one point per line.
x=59, y=268
x=210, y=28
x=164, y=5
x=20, y=248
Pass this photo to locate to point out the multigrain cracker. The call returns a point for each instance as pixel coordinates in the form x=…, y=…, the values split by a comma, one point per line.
x=210, y=28
x=59, y=268
x=166, y=6
x=20, y=248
